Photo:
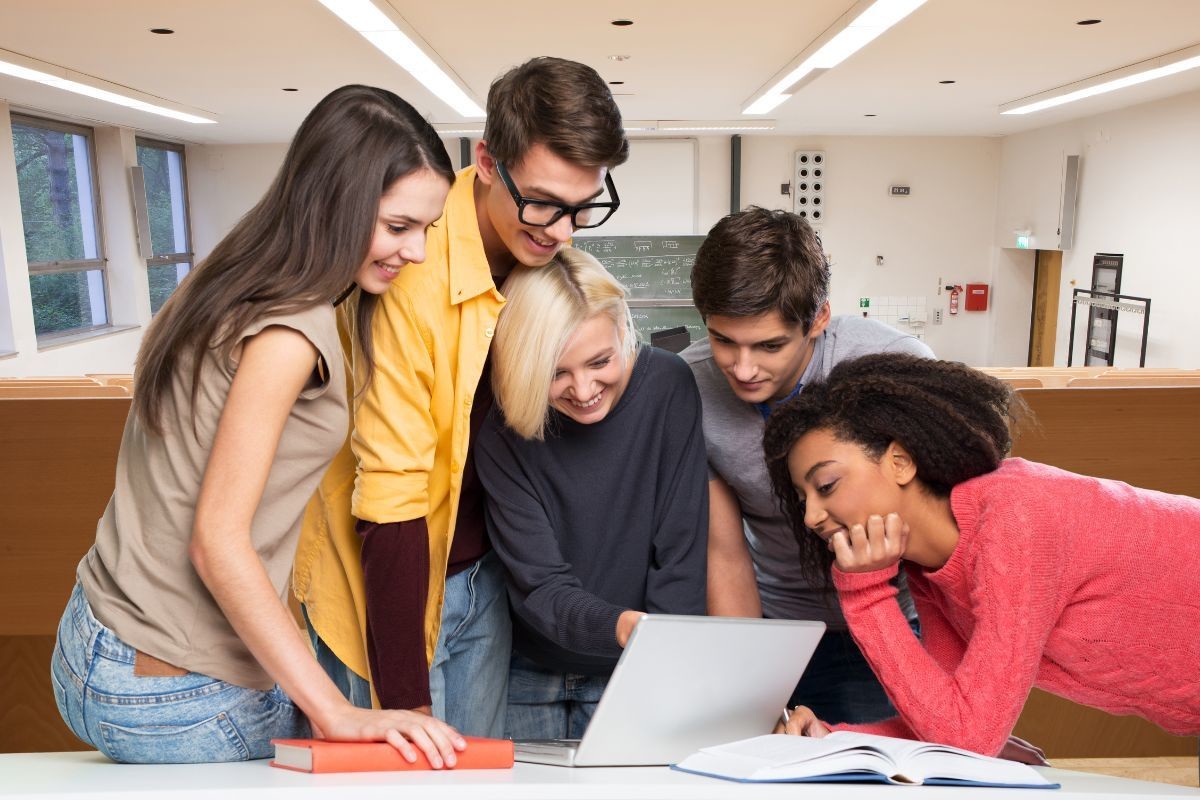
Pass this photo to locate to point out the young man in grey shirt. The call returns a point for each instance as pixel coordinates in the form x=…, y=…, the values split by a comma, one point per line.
x=761, y=283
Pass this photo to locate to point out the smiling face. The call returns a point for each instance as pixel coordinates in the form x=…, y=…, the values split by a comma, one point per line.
x=540, y=175
x=841, y=484
x=763, y=356
x=408, y=207
x=591, y=373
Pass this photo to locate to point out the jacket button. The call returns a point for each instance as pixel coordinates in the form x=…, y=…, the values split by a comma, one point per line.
x=489, y=332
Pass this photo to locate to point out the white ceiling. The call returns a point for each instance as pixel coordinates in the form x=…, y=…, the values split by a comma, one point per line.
x=689, y=59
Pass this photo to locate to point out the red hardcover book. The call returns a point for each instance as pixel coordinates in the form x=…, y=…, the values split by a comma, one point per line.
x=319, y=755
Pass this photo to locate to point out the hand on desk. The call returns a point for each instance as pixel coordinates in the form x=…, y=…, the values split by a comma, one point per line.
x=1016, y=749
x=401, y=729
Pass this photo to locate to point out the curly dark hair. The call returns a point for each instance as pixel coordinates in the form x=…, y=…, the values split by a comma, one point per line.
x=953, y=420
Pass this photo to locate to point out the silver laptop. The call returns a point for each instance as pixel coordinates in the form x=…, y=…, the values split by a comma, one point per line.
x=684, y=683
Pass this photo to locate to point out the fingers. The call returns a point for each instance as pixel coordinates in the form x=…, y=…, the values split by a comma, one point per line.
x=876, y=545
x=438, y=741
x=1017, y=749
x=803, y=722
x=396, y=740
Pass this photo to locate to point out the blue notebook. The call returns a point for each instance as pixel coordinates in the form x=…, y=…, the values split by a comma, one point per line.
x=845, y=756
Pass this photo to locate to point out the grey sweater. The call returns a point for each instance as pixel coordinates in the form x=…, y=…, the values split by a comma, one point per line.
x=601, y=518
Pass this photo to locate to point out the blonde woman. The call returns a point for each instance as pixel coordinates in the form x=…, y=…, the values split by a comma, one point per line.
x=593, y=462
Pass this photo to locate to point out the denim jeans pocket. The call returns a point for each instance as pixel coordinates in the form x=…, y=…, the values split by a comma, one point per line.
x=210, y=740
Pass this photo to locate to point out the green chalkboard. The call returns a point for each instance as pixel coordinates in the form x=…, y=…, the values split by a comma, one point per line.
x=651, y=267
x=657, y=272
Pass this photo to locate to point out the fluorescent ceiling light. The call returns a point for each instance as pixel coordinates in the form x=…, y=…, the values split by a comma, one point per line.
x=31, y=69
x=700, y=125
x=403, y=46
x=1151, y=69
x=852, y=31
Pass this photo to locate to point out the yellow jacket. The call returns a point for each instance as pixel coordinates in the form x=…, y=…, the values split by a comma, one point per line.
x=405, y=455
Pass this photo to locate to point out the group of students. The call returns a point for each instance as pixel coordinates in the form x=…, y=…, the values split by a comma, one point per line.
x=399, y=391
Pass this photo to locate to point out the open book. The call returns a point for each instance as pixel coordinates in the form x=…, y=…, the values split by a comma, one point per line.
x=847, y=756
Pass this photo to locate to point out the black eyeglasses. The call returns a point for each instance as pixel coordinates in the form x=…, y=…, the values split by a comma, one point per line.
x=543, y=213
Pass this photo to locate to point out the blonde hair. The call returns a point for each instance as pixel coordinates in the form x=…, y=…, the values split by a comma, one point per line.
x=545, y=307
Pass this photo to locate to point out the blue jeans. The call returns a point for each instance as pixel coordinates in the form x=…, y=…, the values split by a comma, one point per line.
x=543, y=704
x=468, y=679
x=469, y=676
x=839, y=685
x=353, y=686
x=188, y=719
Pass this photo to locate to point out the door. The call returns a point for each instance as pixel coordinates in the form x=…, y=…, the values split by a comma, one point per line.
x=1043, y=321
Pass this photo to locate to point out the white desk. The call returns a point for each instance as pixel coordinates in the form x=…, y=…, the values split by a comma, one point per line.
x=90, y=775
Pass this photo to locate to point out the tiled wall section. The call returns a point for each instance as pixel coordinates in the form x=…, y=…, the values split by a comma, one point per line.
x=908, y=314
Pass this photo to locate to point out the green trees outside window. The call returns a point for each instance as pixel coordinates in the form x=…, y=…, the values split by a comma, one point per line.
x=63, y=246
x=166, y=206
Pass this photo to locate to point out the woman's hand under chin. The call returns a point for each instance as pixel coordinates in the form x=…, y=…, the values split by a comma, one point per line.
x=877, y=545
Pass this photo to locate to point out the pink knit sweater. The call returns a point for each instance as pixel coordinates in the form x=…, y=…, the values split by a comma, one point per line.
x=1087, y=588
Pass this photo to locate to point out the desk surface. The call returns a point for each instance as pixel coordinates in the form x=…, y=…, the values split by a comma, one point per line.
x=90, y=775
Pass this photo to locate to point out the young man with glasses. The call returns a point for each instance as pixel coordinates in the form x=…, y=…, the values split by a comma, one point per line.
x=394, y=570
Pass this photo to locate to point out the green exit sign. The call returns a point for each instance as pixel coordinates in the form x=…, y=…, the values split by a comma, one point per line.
x=1023, y=241
x=864, y=302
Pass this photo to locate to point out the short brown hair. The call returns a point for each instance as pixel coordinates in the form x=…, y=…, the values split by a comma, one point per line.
x=562, y=104
x=757, y=261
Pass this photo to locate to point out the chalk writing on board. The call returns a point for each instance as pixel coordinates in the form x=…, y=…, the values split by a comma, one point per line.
x=652, y=268
x=649, y=267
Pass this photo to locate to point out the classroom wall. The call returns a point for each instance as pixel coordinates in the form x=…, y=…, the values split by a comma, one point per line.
x=940, y=234
x=224, y=182
x=1138, y=196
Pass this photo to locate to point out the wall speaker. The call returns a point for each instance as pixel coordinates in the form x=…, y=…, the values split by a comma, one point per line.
x=1070, y=192
x=808, y=186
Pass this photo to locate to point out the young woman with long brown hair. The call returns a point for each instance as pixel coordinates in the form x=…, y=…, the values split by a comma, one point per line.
x=176, y=645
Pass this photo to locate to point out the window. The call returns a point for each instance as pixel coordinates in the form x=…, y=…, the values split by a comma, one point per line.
x=166, y=206
x=56, y=181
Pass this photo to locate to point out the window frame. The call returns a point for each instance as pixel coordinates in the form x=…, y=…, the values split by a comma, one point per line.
x=100, y=263
x=185, y=257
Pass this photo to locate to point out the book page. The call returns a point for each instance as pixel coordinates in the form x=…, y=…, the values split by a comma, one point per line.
x=920, y=761
x=779, y=757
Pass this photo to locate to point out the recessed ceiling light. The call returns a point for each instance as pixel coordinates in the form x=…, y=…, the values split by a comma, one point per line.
x=622, y=23
x=944, y=83
x=290, y=89
x=162, y=31
x=618, y=58
x=1088, y=22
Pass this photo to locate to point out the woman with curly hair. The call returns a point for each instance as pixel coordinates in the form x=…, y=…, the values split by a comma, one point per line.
x=1023, y=574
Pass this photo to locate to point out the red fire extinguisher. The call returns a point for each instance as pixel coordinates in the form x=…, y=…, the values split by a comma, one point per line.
x=955, y=291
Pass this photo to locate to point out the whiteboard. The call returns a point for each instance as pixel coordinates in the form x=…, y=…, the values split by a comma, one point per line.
x=658, y=190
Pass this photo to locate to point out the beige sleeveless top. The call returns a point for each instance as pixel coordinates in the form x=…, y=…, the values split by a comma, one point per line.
x=138, y=577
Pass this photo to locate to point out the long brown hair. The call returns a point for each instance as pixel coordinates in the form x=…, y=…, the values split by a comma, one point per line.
x=302, y=244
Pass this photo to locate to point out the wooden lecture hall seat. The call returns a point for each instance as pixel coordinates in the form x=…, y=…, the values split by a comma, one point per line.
x=59, y=458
